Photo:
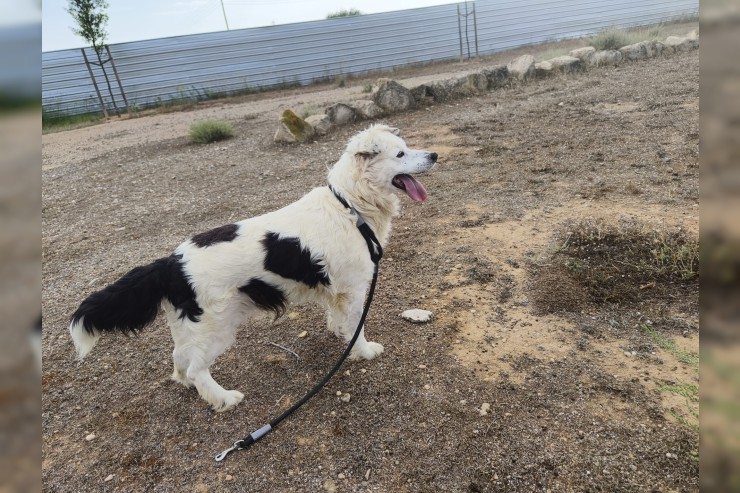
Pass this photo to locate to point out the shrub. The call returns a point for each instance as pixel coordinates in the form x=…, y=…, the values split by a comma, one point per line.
x=610, y=40
x=343, y=13
x=367, y=87
x=206, y=131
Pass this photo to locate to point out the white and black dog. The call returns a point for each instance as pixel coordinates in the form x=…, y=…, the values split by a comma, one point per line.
x=310, y=250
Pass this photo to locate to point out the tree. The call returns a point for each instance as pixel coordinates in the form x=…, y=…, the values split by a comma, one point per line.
x=91, y=19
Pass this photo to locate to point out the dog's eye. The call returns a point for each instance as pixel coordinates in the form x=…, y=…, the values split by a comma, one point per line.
x=400, y=154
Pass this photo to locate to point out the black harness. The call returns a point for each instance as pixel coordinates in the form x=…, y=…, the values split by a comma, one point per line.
x=376, y=253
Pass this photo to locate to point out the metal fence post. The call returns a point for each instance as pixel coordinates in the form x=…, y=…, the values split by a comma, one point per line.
x=95, y=84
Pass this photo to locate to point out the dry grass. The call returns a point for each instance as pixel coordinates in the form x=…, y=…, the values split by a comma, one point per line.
x=207, y=131
x=608, y=263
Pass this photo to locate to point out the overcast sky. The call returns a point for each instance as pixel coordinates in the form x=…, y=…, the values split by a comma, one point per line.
x=133, y=20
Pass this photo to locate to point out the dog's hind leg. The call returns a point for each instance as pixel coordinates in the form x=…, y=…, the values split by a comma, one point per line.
x=343, y=317
x=180, y=336
x=197, y=345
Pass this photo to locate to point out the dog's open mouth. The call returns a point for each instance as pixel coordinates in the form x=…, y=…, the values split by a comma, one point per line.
x=413, y=188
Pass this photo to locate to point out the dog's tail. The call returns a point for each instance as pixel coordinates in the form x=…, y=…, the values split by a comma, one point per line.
x=128, y=305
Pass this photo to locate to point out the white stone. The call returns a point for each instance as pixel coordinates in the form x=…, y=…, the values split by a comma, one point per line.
x=320, y=123
x=303, y=334
x=340, y=114
x=484, y=408
x=583, y=54
x=522, y=68
x=109, y=477
x=90, y=437
x=367, y=109
x=417, y=316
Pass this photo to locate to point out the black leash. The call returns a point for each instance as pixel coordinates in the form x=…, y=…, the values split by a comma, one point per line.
x=376, y=253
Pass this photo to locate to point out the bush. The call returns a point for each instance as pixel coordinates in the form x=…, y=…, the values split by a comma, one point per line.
x=367, y=87
x=610, y=40
x=206, y=131
x=343, y=13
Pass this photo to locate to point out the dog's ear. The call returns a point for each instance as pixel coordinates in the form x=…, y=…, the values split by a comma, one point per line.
x=394, y=130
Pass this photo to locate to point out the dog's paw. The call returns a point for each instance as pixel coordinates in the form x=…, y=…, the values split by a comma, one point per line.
x=179, y=377
x=369, y=350
x=230, y=399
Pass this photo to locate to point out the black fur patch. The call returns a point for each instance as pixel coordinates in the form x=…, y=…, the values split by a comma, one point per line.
x=286, y=258
x=216, y=235
x=131, y=303
x=265, y=296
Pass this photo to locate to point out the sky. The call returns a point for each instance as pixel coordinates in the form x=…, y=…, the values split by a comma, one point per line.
x=133, y=20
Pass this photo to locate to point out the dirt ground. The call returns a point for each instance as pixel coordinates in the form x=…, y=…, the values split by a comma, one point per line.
x=578, y=398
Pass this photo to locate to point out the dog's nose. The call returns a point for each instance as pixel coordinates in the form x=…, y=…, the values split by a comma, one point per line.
x=433, y=157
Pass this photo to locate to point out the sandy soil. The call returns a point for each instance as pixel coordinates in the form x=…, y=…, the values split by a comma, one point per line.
x=575, y=399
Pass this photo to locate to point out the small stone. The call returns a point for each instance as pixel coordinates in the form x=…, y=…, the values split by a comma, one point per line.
x=363, y=370
x=633, y=467
x=109, y=477
x=339, y=393
x=427, y=387
x=422, y=367
x=229, y=477
x=367, y=475
x=341, y=476
x=330, y=486
x=627, y=353
x=346, y=398
x=463, y=402
x=417, y=316
x=90, y=437
x=484, y=408
x=303, y=334
x=346, y=372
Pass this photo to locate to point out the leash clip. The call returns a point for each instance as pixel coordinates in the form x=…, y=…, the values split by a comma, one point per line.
x=237, y=446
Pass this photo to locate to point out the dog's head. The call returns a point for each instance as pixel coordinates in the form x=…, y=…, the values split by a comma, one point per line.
x=381, y=158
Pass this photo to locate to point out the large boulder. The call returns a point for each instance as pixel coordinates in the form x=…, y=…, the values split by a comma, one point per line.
x=421, y=93
x=497, y=76
x=693, y=35
x=543, y=69
x=642, y=50
x=566, y=64
x=340, y=114
x=320, y=123
x=583, y=54
x=292, y=128
x=443, y=90
x=606, y=57
x=367, y=109
x=392, y=96
x=677, y=44
x=475, y=83
x=522, y=68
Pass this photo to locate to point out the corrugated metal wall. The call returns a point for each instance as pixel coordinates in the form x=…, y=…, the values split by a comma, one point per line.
x=200, y=65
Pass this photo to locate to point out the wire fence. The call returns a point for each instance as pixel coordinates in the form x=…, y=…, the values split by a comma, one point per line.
x=201, y=66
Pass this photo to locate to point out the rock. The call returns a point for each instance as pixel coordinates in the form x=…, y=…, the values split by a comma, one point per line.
x=109, y=477
x=417, y=316
x=293, y=128
x=339, y=393
x=330, y=486
x=340, y=114
x=320, y=123
x=303, y=334
x=566, y=64
x=484, y=408
x=90, y=437
x=427, y=387
x=693, y=35
x=229, y=477
x=583, y=54
x=475, y=83
x=497, y=76
x=677, y=44
x=439, y=90
x=345, y=398
x=341, y=476
x=641, y=50
x=367, y=475
x=392, y=96
x=367, y=109
x=606, y=57
x=421, y=93
x=522, y=68
x=543, y=69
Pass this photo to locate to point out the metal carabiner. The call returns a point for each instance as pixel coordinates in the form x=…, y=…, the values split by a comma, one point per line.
x=222, y=455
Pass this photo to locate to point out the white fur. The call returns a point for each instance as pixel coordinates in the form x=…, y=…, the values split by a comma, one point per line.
x=83, y=341
x=363, y=177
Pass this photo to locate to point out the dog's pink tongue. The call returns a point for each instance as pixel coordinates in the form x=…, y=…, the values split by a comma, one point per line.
x=414, y=189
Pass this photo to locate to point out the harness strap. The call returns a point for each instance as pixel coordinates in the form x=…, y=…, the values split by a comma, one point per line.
x=376, y=253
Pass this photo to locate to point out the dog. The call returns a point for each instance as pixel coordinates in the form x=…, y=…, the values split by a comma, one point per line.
x=308, y=251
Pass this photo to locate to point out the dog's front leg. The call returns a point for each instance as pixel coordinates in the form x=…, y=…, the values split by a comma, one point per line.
x=344, y=316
